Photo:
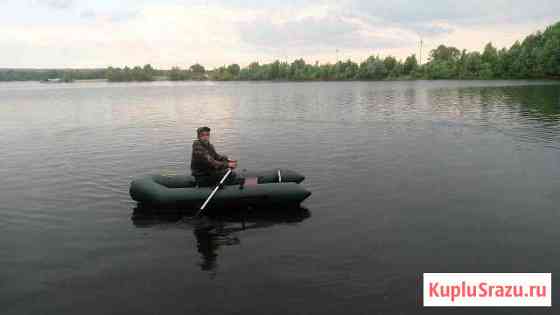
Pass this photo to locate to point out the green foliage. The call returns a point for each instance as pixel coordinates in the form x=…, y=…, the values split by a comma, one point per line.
x=176, y=74
x=410, y=65
x=445, y=54
x=64, y=75
x=197, y=68
x=126, y=74
x=197, y=72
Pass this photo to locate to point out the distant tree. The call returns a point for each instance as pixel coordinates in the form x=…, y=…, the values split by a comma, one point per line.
x=148, y=71
x=410, y=65
x=490, y=54
x=444, y=53
x=486, y=71
x=176, y=74
x=197, y=69
x=551, y=57
x=473, y=65
x=297, y=70
x=234, y=69
x=390, y=63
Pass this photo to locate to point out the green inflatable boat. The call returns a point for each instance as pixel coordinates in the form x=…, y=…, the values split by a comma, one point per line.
x=272, y=188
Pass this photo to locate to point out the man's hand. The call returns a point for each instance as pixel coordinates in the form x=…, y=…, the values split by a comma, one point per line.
x=232, y=164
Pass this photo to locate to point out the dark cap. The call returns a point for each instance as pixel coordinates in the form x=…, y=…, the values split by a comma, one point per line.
x=202, y=129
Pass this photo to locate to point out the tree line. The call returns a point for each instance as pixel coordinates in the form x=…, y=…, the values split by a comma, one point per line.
x=126, y=74
x=536, y=57
x=65, y=75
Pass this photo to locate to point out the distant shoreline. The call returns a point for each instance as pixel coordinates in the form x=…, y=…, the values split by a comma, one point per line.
x=555, y=80
x=535, y=58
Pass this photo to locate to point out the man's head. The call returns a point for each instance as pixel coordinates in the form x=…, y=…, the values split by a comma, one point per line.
x=203, y=133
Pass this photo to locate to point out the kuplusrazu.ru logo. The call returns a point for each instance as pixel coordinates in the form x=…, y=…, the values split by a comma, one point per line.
x=487, y=289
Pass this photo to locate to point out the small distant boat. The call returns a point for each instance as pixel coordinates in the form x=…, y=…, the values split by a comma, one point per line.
x=56, y=80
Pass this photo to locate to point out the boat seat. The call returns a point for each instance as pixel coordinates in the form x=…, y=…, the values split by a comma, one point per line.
x=251, y=181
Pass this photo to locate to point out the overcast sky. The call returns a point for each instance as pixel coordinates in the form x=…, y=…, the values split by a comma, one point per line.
x=165, y=33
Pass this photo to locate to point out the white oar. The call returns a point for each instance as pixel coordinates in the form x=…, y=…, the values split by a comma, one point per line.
x=213, y=193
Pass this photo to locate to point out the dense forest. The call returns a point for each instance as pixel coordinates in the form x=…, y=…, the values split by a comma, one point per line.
x=536, y=57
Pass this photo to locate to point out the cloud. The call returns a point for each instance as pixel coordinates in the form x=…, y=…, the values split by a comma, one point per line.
x=424, y=18
x=124, y=15
x=321, y=29
x=220, y=32
x=116, y=16
x=409, y=13
x=433, y=29
x=163, y=35
x=88, y=14
x=314, y=34
x=56, y=4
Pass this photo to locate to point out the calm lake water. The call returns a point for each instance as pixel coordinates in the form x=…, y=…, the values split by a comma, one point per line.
x=407, y=177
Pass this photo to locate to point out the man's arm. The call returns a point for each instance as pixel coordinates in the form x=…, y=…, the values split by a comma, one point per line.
x=217, y=156
x=201, y=152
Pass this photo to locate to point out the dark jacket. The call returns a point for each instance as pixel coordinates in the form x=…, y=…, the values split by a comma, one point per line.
x=205, y=160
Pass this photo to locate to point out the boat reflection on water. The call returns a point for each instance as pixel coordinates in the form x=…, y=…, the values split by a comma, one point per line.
x=216, y=230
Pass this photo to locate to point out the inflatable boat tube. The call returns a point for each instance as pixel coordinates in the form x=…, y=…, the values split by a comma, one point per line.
x=271, y=188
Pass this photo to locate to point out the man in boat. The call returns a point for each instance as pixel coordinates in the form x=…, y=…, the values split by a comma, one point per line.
x=207, y=166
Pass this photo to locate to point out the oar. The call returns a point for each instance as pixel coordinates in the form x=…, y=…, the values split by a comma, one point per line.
x=199, y=213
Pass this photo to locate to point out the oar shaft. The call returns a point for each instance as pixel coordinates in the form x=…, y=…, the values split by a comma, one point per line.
x=213, y=192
